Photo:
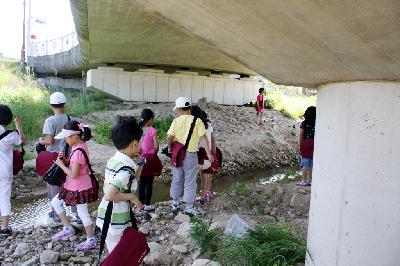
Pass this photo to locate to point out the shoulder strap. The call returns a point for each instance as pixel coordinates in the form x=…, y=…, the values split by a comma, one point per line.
x=190, y=133
x=5, y=134
x=107, y=216
x=86, y=158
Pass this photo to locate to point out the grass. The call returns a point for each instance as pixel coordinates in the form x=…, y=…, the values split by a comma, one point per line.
x=267, y=244
x=162, y=125
x=290, y=106
x=102, y=133
x=31, y=102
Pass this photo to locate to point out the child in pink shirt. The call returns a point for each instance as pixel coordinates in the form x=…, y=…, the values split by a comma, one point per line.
x=78, y=189
x=148, y=149
x=260, y=106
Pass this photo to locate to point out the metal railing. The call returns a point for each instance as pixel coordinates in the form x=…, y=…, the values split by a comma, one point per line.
x=54, y=46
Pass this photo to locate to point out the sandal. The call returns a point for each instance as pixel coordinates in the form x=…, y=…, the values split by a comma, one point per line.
x=302, y=183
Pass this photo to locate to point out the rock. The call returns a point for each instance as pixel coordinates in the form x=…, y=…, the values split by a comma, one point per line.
x=50, y=245
x=183, y=231
x=64, y=256
x=144, y=230
x=219, y=222
x=214, y=263
x=182, y=218
x=21, y=250
x=81, y=260
x=58, y=247
x=200, y=262
x=180, y=248
x=270, y=218
x=196, y=254
x=158, y=258
x=31, y=262
x=49, y=256
x=155, y=247
x=236, y=226
x=300, y=202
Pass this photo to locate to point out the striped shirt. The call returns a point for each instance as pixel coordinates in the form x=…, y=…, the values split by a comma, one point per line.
x=120, y=218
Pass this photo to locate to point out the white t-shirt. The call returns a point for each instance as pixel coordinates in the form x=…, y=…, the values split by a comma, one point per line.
x=209, y=130
x=6, y=152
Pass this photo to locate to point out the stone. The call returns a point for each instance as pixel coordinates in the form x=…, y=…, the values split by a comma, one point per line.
x=180, y=249
x=182, y=218
x=214, y=263
x=270, y=218
x=58, y=247
x=50, y=245
x=196, y=254
x=158, y=258
x=81, y=260
x=49, y=256
x=236, y=226
x=144, y=230
x=219, y=222
x=300, y=202
x=31, y=262
x=155, y=247
x=183, y=230
x=200, y=262
x=21, y=250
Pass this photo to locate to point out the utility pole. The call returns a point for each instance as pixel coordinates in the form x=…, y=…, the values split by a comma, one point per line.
x=23, y=41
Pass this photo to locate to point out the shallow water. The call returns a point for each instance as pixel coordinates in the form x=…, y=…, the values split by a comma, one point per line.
x=33, y=210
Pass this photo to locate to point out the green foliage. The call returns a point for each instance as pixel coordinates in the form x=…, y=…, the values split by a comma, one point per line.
x=268, y=244
x=31, y=102
x=205, y=239
x=162, y=125
x=289, y=106
x=102, y=133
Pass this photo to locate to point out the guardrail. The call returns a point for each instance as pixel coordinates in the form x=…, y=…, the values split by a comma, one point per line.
x=54, y=46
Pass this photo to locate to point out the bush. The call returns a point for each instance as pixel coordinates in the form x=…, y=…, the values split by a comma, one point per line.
x=205, y=239
x=31, y=102
x=102, y=133
x=162, y=125
x=268, y=244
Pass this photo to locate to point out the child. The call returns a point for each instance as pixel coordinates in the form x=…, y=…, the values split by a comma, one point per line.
x=260, y=106
x=6, y=163
x=52, y=126
x=306, y=142
x=125, y=135
x=205, y=177
x=148, y=149
x=78, y=189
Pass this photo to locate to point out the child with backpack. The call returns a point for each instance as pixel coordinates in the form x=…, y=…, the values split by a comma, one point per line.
x=53, y=125
x=8, y=139
x=306, y=143
x=120, y=183
x=80, y=187
x=148, y=149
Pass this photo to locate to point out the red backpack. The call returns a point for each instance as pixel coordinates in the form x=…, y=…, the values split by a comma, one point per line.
x=18, y=155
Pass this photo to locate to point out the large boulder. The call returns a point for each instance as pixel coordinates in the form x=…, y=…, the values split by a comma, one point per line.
x=300, y=202
x=183, y=231
x=237, y=227
x=21, y=250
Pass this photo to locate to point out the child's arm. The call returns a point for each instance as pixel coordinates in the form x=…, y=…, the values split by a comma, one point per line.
x=71, y=172
x=206, y=146
x=18, y=126
x=213, y=145
x=47, y=140
x=113, y=194
x=170, y=139
x=301, y=135
x=155, y=142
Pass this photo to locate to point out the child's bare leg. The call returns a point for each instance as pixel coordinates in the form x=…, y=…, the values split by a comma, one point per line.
x=305, y=174
x=89, y=230
x=203, y=183
x=64, y=219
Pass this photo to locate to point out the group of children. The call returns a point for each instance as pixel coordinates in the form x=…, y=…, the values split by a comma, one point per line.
x=134, y=142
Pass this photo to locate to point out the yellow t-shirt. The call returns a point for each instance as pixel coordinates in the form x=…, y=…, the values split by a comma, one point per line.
x=180, y=130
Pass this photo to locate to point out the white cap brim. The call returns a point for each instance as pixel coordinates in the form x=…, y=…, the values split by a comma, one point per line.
x=66, y=133
x=177, y=107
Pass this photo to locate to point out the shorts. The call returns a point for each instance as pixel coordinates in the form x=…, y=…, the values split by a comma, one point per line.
x=306, y=162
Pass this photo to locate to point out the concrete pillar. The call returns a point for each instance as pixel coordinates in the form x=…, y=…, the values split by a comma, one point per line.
x=355, y=204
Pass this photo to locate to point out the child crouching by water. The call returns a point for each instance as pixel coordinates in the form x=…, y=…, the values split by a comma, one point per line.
x=78, y=189
x=119, y=179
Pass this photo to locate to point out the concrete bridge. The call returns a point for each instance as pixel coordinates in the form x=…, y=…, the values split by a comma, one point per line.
x=349, y=50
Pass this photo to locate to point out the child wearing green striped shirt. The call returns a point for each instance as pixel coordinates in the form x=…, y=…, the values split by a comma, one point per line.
x=119, y=179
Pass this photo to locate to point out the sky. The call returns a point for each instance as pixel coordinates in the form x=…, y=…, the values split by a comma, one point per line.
x=50, y=19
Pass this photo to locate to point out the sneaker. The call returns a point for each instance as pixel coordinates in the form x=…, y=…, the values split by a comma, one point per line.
x=174, y=208
x=79, y=221
x=5, y=232
x=88, y=244
x=54, y=217
x=148, y=208
x=64, y=234
x=193, y=212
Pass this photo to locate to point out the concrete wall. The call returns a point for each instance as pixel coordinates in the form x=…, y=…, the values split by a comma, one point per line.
x=55, y=82
x=355, y=210
x=155, y=86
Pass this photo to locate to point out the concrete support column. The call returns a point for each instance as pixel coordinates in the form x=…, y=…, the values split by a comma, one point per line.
x=355, y=204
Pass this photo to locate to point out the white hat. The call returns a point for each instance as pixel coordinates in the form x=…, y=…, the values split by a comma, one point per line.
x=57, y=98
x=66, y=133
x=182, y=102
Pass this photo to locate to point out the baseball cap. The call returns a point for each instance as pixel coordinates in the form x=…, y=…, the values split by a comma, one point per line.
x=182, y=102
x=57, y=98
